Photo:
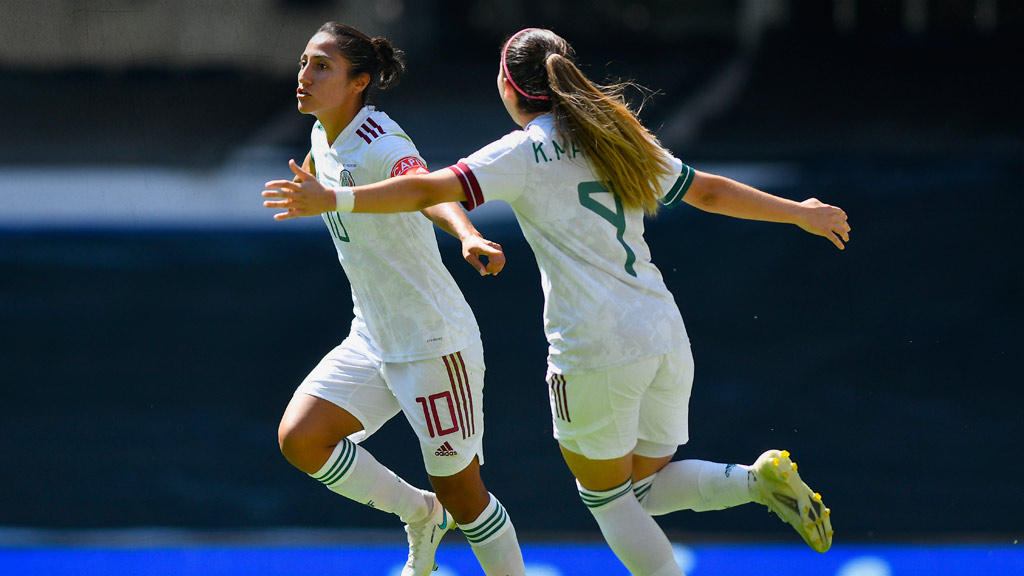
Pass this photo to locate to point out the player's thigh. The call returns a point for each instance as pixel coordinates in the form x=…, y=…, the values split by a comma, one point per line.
x=351, y=377
x=598, y=475
x=443, y=400
x=312, y=420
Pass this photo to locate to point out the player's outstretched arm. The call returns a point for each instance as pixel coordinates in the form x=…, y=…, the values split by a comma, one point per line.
x=410, y=193
x=305, y=196
x=721, y=195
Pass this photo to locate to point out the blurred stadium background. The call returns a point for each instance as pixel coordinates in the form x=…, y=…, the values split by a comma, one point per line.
x=154, y=320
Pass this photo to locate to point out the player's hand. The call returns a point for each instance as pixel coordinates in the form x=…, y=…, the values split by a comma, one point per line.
x=303, y=196
x=473, y=247
x=825, y=220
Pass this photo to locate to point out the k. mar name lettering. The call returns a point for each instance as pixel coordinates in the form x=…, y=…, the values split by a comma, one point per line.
x=558, y=151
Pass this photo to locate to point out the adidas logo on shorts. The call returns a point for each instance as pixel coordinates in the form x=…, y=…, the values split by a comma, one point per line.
x=446, y=450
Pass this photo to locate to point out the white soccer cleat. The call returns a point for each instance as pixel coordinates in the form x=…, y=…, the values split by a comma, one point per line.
x=779, y=487
x=424, y=536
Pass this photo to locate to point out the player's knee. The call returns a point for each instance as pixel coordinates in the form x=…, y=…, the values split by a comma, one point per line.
x=296, y=447
x=463, y=494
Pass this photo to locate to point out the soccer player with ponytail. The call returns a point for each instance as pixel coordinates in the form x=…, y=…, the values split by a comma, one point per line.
x=580, y=177
x=414, y=345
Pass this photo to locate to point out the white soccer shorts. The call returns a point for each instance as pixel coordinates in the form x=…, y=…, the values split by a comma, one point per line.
x=442, y=398
x=605, y=415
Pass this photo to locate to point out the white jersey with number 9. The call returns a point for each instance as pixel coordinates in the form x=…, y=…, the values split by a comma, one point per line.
x=606, y=304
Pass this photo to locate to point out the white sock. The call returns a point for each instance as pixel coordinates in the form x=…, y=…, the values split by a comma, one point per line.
x=355, y=474
x=493, y=540
x=694, y=485
x=630, y=531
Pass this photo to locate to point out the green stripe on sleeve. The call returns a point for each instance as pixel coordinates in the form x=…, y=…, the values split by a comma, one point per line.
x=678, y=190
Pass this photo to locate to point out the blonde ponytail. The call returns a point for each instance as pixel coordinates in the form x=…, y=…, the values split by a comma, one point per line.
x=623, y=154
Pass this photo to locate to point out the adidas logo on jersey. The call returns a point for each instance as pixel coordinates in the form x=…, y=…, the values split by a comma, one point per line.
x=446, y=450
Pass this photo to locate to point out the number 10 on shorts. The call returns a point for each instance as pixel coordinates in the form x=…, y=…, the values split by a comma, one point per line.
x=430, y=406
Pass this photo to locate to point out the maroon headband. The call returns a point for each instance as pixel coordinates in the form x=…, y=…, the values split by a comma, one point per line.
x=504, y=67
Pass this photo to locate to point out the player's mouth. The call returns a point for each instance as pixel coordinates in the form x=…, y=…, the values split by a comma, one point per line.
x=301, y=94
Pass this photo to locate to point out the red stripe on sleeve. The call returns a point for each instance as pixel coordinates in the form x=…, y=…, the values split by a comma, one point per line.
x=470, y=186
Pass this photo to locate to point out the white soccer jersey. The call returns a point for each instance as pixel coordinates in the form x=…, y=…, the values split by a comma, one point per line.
x=605, y=303
x=404, y=299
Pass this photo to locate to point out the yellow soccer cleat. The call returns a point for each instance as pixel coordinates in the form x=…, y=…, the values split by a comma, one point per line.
x=779, y=487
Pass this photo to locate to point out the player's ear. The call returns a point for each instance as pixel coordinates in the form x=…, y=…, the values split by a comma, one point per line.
x=508, y=92
x=512, y=96
x=361, y=82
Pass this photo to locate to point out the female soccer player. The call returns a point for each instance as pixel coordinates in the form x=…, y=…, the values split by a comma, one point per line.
x=580, y=177
x=414, y=345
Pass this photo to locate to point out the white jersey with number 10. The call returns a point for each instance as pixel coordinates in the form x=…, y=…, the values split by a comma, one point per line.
x=404, y=299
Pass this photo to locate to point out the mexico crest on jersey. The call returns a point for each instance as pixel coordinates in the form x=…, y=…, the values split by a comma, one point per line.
x=347, y=179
